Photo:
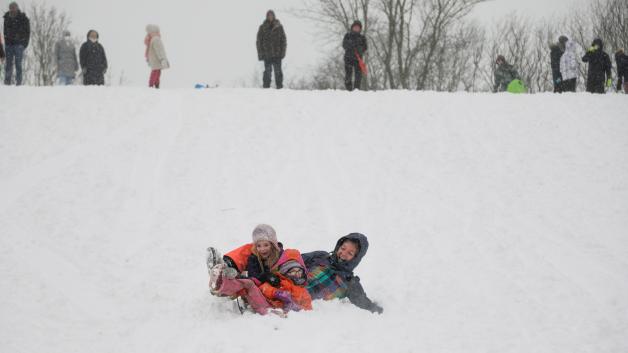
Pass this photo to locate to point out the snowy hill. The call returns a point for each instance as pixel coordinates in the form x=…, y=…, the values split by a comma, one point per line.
x=497, y=223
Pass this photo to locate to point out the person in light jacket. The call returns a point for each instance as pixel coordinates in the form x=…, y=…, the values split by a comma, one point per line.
x=569, y=67
x=65, y=57
x=155, y=55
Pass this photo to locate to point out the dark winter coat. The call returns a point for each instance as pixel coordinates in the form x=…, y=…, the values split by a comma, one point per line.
x=354, y=42
x=621, y=59
x=556, y=52
x=17, y=29
x=504, y=75
x=271, y=41
x=94, y=62
x=258, y=270
x=330, y=278
x=600, y=67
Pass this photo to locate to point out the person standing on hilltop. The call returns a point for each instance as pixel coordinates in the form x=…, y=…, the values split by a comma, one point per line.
x=599, y=68
x=271, y=48
x=65, y=58
x=93, y=60
x=569, y=67
x=155, y=55
x=354, y=44
x=556, y=52
x=17, y=35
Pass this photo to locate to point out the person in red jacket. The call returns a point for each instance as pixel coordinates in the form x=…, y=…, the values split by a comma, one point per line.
x=263, y=273
x=282, y=283
x=227, y=277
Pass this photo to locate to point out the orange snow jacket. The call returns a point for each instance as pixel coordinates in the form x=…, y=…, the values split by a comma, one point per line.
x=240, y=256
x=299, y=294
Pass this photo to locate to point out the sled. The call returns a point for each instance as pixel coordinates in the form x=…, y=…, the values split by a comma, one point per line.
x=362, y=64
x=517, y=87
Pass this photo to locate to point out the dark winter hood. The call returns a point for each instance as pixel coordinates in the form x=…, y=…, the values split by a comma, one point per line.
x=90, y=32
x=599, y=43
x=349, y=266
x=275, y=22
x=619, y=55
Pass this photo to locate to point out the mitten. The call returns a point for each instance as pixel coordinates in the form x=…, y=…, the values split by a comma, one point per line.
x=376, y=308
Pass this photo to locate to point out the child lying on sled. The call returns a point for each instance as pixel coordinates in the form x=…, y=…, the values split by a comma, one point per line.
x=264, y=274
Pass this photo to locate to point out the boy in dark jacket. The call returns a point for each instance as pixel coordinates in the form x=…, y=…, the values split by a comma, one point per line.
x=599, y=68
x=17, y=34
x=556, y=52
x=354, y=44
x=93, y=60
x=330, y=275
x=621, y=59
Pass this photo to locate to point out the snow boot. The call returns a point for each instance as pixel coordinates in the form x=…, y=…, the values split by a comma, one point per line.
x=215, y=278
x=213, y=258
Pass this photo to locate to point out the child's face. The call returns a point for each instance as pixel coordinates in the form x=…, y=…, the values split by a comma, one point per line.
x=356, y=29
x=297, y=276
x=264, y=248
x=295, y=273
x=347, y=251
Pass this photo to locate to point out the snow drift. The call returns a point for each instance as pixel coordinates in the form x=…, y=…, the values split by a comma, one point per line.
x=497, y=223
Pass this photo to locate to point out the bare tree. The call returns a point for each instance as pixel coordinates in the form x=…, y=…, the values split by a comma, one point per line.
x=437, y=16
x=610, y=22
x=47, y=26
x=407, y=38
x=428, y=44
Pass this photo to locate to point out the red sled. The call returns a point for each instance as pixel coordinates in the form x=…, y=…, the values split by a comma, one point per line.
x=362, y=64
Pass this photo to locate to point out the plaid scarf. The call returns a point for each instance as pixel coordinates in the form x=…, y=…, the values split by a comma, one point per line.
x=324, y=283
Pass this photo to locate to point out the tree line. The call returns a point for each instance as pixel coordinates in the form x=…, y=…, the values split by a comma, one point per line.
x=435, y=45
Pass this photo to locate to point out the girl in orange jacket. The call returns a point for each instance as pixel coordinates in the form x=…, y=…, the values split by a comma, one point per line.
x=280, y=275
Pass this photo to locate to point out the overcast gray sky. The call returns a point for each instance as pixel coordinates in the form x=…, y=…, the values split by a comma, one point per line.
x=213, y=41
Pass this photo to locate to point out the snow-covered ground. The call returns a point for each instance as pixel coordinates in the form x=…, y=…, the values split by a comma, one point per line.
x=497, y=223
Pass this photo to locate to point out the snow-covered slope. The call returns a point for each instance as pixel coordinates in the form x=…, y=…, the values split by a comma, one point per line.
x=497, y=223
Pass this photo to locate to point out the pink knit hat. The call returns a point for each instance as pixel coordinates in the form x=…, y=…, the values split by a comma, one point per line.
x=265, y=232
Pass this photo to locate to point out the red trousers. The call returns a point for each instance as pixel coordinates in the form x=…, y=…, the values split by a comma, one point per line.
x=155, y=75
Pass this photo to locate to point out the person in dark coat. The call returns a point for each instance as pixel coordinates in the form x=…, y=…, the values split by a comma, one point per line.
x=556, y=52
x=504, y=74
x=17, y=35
x=621, y=59
x=599, y=68
x=330, y=274
x=93, y=60
x=354, y=44
x=271, y=48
